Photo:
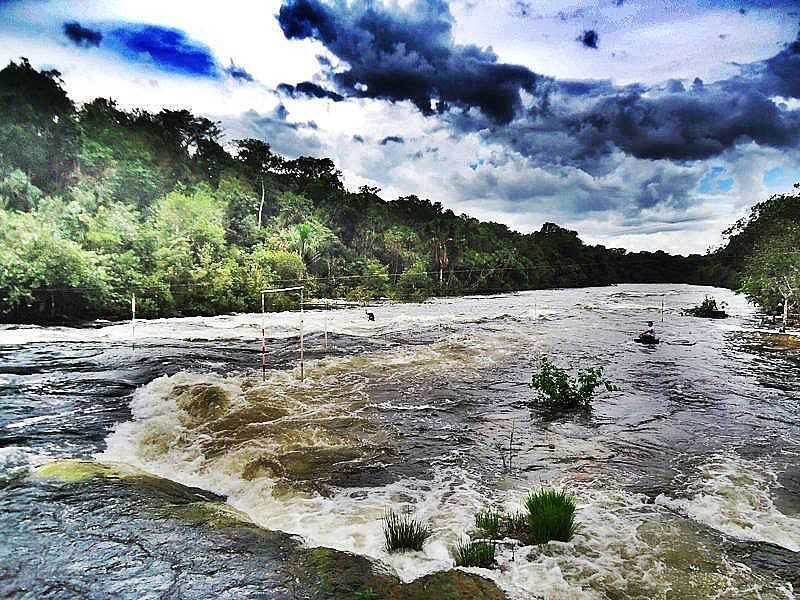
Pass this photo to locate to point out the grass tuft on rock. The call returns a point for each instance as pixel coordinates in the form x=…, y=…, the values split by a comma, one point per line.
x=551, y=516
x=404, y=533
x=474, y=554
x=489, y=523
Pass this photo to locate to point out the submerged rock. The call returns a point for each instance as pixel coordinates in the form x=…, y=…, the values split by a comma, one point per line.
x=202, y=401
x=74, y=470
x=343, y=575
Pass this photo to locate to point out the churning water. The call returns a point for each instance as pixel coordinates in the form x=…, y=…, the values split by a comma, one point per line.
x=688, y=478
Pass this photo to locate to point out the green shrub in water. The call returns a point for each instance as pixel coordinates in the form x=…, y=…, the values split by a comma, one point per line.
x=402, y=532
x=474, y=554
x=551, y=516
x=556, y=388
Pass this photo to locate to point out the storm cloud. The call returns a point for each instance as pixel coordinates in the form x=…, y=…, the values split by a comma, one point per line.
x=589, y=38
x=309, y=89
x=82, y=36
x=392, y=139
x=408, y=54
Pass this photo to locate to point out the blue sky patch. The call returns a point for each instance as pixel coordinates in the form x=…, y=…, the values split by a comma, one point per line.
x=711, y=183
x=165, y=48
x=781, y=179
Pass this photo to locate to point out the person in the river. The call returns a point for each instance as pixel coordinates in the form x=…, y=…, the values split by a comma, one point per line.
x=649, y=332
x=370, y=316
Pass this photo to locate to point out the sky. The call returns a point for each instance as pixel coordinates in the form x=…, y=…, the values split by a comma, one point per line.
x=642, y=124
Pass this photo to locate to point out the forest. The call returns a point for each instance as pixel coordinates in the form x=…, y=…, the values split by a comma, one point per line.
x=99, y=203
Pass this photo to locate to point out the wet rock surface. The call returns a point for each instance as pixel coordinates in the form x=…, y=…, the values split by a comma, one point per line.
x=78, y=529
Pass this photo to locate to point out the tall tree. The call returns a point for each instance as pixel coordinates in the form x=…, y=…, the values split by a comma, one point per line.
x=773, y=269
x=259, y=161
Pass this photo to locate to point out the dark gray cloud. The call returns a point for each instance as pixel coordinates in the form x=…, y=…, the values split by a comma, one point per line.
x=238, y=72
x=307, y=88
x=285, y=136
x=392, y=139
x=780, y=75
x=589, y=38
x=684, y=125
x=582, y=122
x=408, y=54
x=82, y=36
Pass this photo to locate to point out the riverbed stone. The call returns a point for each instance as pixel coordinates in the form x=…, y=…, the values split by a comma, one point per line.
x=102, y=530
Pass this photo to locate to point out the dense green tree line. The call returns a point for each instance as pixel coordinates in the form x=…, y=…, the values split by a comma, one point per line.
x=97, y=202
x=761, y=257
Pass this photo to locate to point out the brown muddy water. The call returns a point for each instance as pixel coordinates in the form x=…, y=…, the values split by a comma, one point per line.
x=687, y=479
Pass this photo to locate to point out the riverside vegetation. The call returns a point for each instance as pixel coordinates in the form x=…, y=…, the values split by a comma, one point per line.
x=98, y=203
x=548, y=515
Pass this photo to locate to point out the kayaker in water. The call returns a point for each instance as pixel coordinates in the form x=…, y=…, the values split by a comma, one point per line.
x=649, y=332
x=648, y=336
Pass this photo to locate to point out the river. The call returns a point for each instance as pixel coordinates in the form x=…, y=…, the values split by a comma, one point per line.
x=687, y=478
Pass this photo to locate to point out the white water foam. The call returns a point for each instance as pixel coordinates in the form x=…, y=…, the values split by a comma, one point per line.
x=734, y=496
x=624, y=545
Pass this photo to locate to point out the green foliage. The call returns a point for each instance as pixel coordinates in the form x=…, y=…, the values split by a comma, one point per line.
x=551, y=516
x=17, y=192
x=38, y=130
x=515, y=525
x=403, y=533
x=35, y=256
x=152, y=203
x=548, y=514
x=415, y=282
x=474, y=554
x=708, y=308
x=489, y=523
x=556, y=388
x=771, y=274
x=372, y=280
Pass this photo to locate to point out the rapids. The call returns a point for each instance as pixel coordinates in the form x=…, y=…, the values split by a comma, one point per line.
x=687, y=479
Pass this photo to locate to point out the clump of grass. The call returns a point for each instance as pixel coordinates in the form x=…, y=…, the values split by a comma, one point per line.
x=403, y=533
x=474, y=554
x=515, y=525
x=489, y=523
x=551, y=516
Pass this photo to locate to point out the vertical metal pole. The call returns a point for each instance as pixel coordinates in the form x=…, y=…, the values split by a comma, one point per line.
x=133, y=319
x=327, y=308
x=302, y=348
x=263, y=340
x=662, y=310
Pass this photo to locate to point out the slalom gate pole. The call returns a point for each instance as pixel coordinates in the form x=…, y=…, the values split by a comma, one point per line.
x=302, y=348
x=327, y=308
x=133, y=319
x=263, y=340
